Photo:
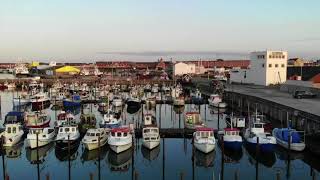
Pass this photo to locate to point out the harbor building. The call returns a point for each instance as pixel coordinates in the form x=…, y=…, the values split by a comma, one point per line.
x=181, y=68
x=266, y=68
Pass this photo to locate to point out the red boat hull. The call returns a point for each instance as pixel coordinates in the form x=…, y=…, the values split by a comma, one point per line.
x=42, y=125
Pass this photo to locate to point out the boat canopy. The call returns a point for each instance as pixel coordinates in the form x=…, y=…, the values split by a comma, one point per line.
x=204, y=129
x=284, y=134
x=231, y=129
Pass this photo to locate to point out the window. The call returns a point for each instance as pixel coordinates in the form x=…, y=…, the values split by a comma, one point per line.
x=282, y=65
x=119, y=134
x=270, y=65
x=270, y=56
x=263, y=65
x=14, y=130
x=112, y=134
x=276, y=65
x=9, y=130
x=66, y=130
x=125, y=134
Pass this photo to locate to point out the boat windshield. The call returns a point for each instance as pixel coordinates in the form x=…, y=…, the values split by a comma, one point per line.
x=90, y=134
x=258, y=125
x=11, y=119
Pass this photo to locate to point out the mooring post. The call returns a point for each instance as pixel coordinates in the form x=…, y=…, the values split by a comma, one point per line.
x=38, y=168
x=222, y=159
x=278, y=175
x=218, y=116
x=69, y=163
x=236, y=175
x=91, y=176
x=3, y=154
x=257, y=155
x=47, y=176
x=182, y=175
x=99, y=174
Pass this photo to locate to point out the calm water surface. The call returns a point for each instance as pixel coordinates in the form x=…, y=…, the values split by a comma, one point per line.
x=173, y=159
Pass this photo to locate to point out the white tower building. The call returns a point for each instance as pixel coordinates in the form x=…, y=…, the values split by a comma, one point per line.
x=268, y=67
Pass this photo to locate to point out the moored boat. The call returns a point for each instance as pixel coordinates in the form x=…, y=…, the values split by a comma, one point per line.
x=37, y=119
x=150, y=132
x=193, y=120
x=286, y=136
x=12, y=135
x=45, y=137
x=203, y=139
x=67, y=135
x=120, y=139
x=230, y=138
x=39, y=101
x=92, y=137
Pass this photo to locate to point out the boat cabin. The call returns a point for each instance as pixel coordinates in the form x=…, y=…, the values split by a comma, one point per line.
x=41, y=131
x=14, y=117
x=13, y=128
x=68, y=130
x=149, y=120
x=95, y=133
x=257, y=127
x=193, y=118
x=120, y=132
x=204, y=132
x=231, y=132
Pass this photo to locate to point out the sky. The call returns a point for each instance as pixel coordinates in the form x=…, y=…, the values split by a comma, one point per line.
x=82, y=30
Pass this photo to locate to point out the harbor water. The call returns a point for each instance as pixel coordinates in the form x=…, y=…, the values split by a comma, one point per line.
x=175, y=158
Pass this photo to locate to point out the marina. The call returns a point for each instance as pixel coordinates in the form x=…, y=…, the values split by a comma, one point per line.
x=175, y=157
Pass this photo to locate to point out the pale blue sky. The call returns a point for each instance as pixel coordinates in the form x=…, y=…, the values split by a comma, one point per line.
x=91, y=29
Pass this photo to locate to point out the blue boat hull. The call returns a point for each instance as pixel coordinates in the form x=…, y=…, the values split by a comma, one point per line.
x=232, y=145
x=262, y=147
x=71, y=103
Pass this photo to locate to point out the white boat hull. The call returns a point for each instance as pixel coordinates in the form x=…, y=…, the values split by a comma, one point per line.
x=92, y=146
x=120, y=148
x=32, y=143
x=14, y=141
x=205, y=147
x=151, y=144
x=117, y=103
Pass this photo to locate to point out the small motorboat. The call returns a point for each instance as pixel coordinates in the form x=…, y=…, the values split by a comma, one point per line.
x=12, y=135
x=266, y=141
x=74, y=101
x=67, y=135
x=37, y=119
x=150, y=132
x=193, y=120
x=110, y=120
x=45, y=137
x=40, y=101
x=120, y=139
x=91, y=139
x=230, y=138
x=203, y=139
x=13, y=117
x=284, y=136
x=215, y=100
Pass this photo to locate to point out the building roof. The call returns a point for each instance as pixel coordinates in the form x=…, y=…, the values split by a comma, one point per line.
x=66, y=69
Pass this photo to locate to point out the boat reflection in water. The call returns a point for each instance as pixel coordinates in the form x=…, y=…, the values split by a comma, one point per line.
x=214, y=110
x=284, y=154
x=150, y=154
x=43, y=151
x=204, y=160
x=62, y=154
x=120, y=162
x=13, y=152
x=132, y=109
x=93, y=155
x=268, y=159
x=232, y=155
x=178, y=110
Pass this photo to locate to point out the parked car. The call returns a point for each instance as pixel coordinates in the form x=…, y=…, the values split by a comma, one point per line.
x=303, y=94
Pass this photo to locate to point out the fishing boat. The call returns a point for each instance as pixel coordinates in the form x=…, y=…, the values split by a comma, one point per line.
x=150, y=132
x=120, y=139
x=215, y=100
x=65, y=118
x=91, y=139
x=230, y=138
x=67, y=135
x=286, y=136
x=110, y=120
x=117, y=101
x=203, y=139
x=12, y=135
x=21, y=100
x=21, y=70
x=37, y=119
x=87, y=121
x=40, y=101
x=266, y=141
x=193, y=120
x=155, y=88
x=45, y=137
x=13, y=117
x=73, y=101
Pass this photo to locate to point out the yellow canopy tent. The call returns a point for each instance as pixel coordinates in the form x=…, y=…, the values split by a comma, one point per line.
x=68, y=69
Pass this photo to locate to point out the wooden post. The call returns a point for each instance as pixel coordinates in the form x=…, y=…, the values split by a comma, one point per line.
x=218, y=116
x=69, y=164
x=257, y=155
x=3, y=154
x=222, y=158
x=38, y=169
x=99, y=174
